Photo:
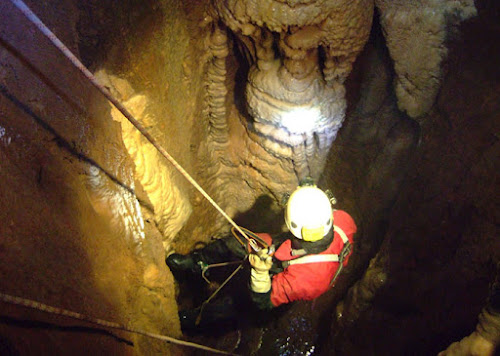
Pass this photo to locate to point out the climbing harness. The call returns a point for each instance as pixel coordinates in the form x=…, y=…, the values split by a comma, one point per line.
x=19, y=4
x=346, y=250
x=28, y=303
x=311, y=259
x=318, y=258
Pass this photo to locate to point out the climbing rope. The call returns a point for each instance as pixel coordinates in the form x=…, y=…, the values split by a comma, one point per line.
x=28, y=303
x=19, y=4
x=206, y=267
x=198, y=319
x=254, y=236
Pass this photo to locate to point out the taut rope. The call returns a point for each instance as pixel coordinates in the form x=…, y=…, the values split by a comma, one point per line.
x=108, y=324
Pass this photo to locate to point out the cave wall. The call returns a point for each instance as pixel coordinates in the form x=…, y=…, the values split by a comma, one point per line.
x=439, y=236
x=89, y=209
x=78, y=229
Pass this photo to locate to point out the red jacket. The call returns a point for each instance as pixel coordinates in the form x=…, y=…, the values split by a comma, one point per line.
x=309, y=280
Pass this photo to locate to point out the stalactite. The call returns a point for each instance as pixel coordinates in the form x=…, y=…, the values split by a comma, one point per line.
x=416, y=34
x=216, y=88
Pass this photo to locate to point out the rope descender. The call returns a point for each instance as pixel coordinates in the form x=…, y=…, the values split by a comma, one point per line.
x=254, y=241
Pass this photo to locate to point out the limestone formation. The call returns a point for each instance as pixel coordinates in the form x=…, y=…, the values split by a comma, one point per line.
x=392, y=104
x=171, y=206
x=416, y=32
x=300, y=53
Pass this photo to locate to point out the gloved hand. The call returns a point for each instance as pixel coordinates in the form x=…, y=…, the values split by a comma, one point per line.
x=260, y=281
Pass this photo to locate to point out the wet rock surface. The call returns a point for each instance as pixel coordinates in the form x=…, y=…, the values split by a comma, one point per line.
x=88, y=212
x=73, y=233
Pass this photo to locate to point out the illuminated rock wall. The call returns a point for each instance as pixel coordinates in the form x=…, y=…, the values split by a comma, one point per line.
x=89, y=209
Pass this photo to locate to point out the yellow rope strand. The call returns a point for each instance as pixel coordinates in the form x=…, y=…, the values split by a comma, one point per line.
x=6, y=298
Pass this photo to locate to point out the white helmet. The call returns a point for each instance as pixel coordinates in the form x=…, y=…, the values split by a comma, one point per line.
x=309, y=213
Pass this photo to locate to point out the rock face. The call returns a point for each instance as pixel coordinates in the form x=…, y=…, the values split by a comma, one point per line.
x=77, y=231
x=300, y=55
x=250, y=97
x=171, y=205
x=416, y=33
